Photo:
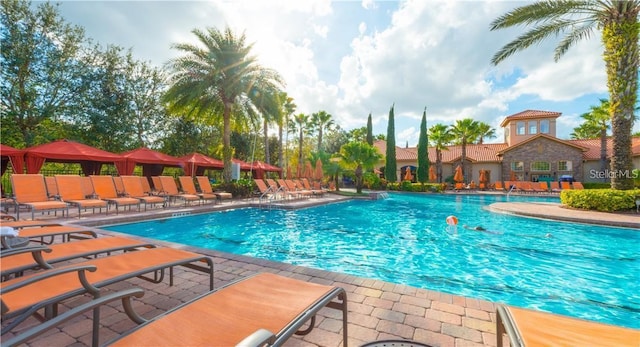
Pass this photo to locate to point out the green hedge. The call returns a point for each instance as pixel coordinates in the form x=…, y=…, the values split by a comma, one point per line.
x=607, y=200
x=407, y=186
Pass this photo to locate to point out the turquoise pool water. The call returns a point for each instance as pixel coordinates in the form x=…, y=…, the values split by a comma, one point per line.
x=580, y=270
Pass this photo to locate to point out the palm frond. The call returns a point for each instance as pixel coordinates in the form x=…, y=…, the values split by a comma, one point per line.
x=576, y=35
x=542, y=12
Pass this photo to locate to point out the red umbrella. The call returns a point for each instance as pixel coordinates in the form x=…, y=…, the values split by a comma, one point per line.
x=65, y=151
x=195, y=161
x=458, y=177
x=13, y=155
x=432, y=173
x=319, y=172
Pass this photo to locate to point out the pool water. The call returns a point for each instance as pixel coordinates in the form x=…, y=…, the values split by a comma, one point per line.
x=579, y=270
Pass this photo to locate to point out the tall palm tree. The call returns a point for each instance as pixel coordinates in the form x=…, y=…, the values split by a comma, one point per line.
x=216, y=77
x=464, y=131
x=300, y=123
x=440, y=137
x=618, y=22
x=362, y=156
x=485, y=131
x=266, y=104
x=321, y=121
x=288, y=108
x=596, y=123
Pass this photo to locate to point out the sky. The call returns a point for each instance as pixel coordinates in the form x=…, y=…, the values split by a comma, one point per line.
x=355, y=58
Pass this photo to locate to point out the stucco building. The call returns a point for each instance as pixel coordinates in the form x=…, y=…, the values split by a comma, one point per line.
x=531, y=151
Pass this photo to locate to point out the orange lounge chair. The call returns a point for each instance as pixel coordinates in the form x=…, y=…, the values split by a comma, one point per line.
x=105, y=189
x=555, y=186
x=25, y=296
x=38, y=234
x=264, y=309
x=187, y=185
x=70, y=191
x=578, y=185
x=498, y=185
x=280, y=189
x=117, y=181
x=294, y=187
x=307, y=186
x=170, y=188
x=565, y=185
x=205, y=187
x=20, y=259
x=459, y=186
x=133, y=189
x=52, y=186
x=543, y=186
x=534, y=328
x=30, y=191
x=146, y=187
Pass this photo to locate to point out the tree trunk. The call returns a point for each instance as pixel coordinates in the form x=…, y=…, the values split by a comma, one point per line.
x=319, y=139
x=462, y=159
x=439, y=165
x=603, y=151
x=266, y=142
x=226, y=141
x=359, y=184
x=620, y=39
x=300, y=163
x=280, y=159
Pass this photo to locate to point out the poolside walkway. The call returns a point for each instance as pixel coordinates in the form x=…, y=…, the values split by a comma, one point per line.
x=378, y=310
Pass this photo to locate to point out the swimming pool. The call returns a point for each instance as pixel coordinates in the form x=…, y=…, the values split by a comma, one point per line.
x=581, y=270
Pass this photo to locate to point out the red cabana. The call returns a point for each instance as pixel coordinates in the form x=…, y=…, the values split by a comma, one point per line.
x=13, y=155
x=65, y=151
x=196, y=163
x=153, y=162
x=259, y=169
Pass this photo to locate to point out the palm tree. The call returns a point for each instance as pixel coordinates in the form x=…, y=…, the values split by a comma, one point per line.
x=597, y=122
x=485, y=131
x=464, y=131
x=300, y=123
x=321, y=121
x=216, y=77
x=360, y=155
x=440, y=137
x=288, y=108
x=618, y=22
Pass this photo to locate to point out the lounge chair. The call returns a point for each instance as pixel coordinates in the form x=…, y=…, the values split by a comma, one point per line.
x=87, y=187
x=280, y=190
x=205, y=187
x=157, y=185
x=133, y=189
x=577, y=185
x=170, y=188
x=543, y=186
x=146, y=187
x=186, y=182
x=294, y=187
x=264, y=191
x=459, y=186
x=555, y=187
x=117, y=181
x=526, y=187
x=30, y=191
x=19, y=260
x=25, y=296
x=306, y=185
x=258, y=310
x=565, y=185
x=537, y=187
x=106, y=190
x=52, y=187
x=38, y=234
x=498, y=185
x=534, y=328
x=70, y=191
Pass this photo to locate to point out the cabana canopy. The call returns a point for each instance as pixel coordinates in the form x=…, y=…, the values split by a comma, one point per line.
x=13, y=155
x=152, y=162
x=65, y=151
x=196, y=163
x=259, y=169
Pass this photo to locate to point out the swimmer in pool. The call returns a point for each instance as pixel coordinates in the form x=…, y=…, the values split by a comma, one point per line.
x=477, y=228
x=481, y=229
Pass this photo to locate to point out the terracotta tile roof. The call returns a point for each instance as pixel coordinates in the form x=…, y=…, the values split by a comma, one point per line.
x=490, y=152
x=528, y=114
x=552, y=138
x=593, y=147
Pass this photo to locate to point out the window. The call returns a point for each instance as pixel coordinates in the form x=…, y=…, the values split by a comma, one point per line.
x=520, y=128
x=540, y=166
x=533, y=127
x=565, y=165
x=544, y=126
x=517, y=166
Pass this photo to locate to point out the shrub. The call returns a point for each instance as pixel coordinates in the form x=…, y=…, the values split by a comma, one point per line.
x=606, y=200
x=371, y=180
x=242, y=188
x=596, y=185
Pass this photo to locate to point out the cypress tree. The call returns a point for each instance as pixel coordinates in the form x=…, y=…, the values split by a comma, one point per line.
x=423, y=152
x=390, y=167
x=369, y=131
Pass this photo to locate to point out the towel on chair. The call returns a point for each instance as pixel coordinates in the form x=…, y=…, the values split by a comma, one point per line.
x=8, y=232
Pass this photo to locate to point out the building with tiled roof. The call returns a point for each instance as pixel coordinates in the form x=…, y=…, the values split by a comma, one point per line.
x=530, y=152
